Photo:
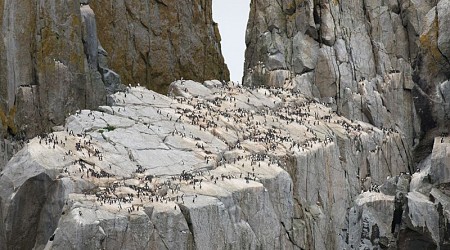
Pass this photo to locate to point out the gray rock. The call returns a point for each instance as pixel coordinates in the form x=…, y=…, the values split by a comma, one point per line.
x=444, y=89
x=112, y=80
x=276, y=61
x=389, y=187
x=327, y=26
x=443, y=12
x=90, y=40
x=423, y=215
x=341, y=51
x=248, y=193
x=326, y=73
x=155, y=42
x=367, y=226
x=392, y=45
x=64, y=68
x=440, y=160
x=304, y=84
x=304, y=53
x=279, y=78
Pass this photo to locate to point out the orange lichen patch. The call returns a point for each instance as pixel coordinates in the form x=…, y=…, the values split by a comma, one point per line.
x=2, y=3
x=290, y=6
x=76, y=22
x=49, y=44
x=76, y=60
x=8, y=120
x=428, y=42
x=50, y=39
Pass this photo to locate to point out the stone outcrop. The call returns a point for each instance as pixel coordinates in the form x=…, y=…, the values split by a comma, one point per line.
x=340, y=142
x=155, y=42
x=385, y=62
x=210, y=167
x=59, y=56
x=52, y=65
x=423, y=201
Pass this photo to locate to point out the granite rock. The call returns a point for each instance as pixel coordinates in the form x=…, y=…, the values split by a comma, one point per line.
x=382, y=62
x=54, y=58
x=155, y=42
x=211, y=166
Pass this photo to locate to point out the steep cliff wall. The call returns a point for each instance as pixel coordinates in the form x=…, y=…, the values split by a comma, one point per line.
x=53, y=62
x=52, y=66
x=155, y=42
x=384, y=62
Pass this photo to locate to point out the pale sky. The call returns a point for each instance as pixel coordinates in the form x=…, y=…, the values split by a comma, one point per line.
x=232, y=17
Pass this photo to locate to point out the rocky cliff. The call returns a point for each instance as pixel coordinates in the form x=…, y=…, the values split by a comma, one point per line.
x=155, y=42
x=222, y=167
x=212, y=167
x=54, y=59
x=384, y=62
x=339, y=141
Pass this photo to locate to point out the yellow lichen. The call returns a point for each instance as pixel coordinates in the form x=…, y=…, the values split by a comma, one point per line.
x=8, y=120
x=428, y=42
x=76, y=22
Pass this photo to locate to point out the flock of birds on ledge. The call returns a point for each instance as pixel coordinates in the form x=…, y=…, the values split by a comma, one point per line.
x=260, y=132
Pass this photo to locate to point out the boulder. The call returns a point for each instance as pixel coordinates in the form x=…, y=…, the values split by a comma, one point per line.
x=304, y=53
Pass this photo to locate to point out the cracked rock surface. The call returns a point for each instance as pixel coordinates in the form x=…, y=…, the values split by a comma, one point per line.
x=60, y=56
x=155, y=42
x=383, y=62
x=212, y=166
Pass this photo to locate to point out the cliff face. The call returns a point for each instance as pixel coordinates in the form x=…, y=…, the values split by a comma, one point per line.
x=384, y=62
x=326, y=162
x=50, y=53
x=155, y=42
x=51, y=63
x=54, y=62
x=213, y=167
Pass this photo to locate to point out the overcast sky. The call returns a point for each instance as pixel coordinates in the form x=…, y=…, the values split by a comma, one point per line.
x=232, y=16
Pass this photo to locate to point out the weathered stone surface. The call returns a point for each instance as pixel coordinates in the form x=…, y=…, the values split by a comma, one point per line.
x=326, y=74
x=423, y=214
x=217, y=165
x=214, y=166
x=54, y=63
x=155, y=42
x=51, y=66
x=424, y=201
x=304, y=53
x=371, y=219
x=443, y=12
x=440, y=162
x=397, y=49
